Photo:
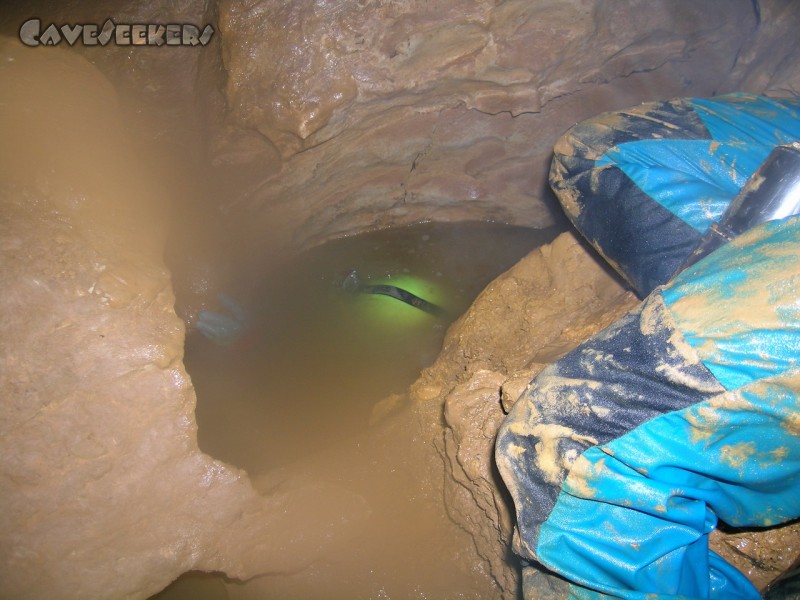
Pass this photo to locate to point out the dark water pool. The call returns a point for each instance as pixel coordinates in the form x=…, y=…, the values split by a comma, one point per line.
x=318, y=357
x=307, y=377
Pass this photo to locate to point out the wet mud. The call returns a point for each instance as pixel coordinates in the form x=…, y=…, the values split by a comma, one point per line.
x=466, y=136
x=316, y=387
x=317, y=358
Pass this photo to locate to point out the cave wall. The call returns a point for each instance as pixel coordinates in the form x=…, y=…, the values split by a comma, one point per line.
x=322, y=118
x=549, y=302
x=103, y=490
x=385, y=113
x=311, y=119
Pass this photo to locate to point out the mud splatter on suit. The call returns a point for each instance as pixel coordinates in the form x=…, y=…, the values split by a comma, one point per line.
x=622, y=456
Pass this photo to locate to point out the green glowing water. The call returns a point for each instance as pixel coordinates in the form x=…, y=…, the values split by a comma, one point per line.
x=319, y=358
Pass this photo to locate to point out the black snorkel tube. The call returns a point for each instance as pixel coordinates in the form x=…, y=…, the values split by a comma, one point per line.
x=353, y=284
x=771, y=193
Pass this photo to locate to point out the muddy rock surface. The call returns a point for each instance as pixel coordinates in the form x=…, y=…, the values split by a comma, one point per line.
x=537, y=311
x=547, y=304
x=299, y=123
x=103, y=491
x=388, y=112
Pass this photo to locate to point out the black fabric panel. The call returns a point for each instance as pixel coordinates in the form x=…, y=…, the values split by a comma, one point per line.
x=644, y=241
x=637, y=369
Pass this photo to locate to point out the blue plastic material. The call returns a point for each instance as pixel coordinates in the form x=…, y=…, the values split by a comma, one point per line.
x=622, y=455
x=696, y=179
x=635, y=514
x=714, y=305
x=224, y=328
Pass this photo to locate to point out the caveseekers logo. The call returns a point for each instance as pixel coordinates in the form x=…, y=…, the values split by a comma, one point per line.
x=122, y=34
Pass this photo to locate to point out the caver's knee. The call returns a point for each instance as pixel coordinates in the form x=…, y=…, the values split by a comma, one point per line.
x=622, y=455
x=644, y=185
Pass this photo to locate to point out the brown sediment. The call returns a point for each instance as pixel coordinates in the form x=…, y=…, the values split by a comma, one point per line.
x=305, y=123
x=736, y=455
x=709, y=417
x=542, y=308
x=581, y=474
x=654, y=314
x=792, y=424
x=762, y=555
x=549, y=457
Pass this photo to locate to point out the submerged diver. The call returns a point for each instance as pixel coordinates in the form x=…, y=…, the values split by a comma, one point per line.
x=622, y=456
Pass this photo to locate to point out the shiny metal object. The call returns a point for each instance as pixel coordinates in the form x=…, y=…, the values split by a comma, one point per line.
x=771, y=193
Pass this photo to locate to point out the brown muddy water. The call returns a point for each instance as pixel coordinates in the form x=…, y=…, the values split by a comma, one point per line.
x=297, y=397
x=318, y=358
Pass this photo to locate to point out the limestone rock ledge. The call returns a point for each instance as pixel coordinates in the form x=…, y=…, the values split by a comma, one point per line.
x=103, y=491
x=551, y=301
x=541, y=308
x=387, y=113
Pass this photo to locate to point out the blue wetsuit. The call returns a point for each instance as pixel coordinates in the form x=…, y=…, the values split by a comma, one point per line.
x=622, y=456
x=643, y=185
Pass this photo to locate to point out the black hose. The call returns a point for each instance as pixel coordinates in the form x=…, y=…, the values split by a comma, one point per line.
x=404, y=296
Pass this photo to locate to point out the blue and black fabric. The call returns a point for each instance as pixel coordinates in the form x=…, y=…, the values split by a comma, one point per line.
x=643, y=185
x=622, y=456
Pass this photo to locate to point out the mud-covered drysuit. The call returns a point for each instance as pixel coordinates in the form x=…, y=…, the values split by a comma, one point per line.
x=622, y=456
